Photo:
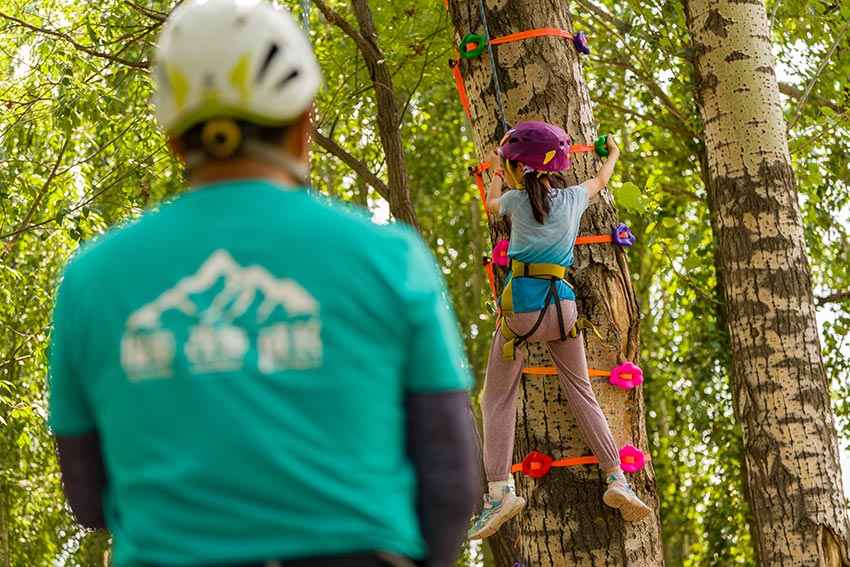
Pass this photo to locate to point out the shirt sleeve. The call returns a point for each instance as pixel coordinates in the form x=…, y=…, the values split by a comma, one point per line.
x=506, y=202
x=70, y=411
x=580, y=196
x=436, y=356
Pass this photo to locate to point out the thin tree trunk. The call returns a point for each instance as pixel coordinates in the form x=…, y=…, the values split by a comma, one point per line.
x=389, y=123
x=4, y=528
x=781, y=394
x=565, y=522
x=397, y=189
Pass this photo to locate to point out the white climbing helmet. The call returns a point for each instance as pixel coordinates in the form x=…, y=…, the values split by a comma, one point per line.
x=243, y=59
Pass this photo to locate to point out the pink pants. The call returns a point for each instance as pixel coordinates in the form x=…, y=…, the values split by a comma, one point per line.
x=498, y=400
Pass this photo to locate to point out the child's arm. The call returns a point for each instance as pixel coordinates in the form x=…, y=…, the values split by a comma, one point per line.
x=595, y=184
x=495, y=192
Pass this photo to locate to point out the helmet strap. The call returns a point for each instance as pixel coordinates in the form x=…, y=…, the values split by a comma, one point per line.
x=517, y=182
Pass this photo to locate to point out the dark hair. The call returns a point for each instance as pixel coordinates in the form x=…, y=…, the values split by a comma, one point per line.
x=538, y=193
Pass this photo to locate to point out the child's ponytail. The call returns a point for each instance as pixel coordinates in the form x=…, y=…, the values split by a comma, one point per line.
x=538, y=195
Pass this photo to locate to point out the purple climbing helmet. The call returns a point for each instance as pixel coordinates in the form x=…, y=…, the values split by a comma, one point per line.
x=538, y=145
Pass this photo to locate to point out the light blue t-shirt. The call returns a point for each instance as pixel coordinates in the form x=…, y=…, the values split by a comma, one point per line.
x=549, y=243
x=244, y=354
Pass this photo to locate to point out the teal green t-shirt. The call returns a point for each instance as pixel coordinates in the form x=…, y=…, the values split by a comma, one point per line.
x=244, y=353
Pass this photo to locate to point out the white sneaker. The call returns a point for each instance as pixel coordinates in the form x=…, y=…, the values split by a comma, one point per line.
x=619, y=495
x=495, y=514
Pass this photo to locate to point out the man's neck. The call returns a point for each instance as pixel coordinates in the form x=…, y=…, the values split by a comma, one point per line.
x=242, y=167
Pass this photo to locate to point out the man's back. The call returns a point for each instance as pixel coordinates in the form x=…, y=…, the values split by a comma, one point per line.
x=253, y=351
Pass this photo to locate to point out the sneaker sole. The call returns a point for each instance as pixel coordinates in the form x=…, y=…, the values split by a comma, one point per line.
x=517, y=504
x=630, y=510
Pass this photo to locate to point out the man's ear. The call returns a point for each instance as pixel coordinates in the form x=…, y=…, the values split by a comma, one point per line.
x=178, y=146
x=297, y=141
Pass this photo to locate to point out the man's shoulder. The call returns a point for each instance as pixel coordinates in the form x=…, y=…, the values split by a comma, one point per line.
x=356, y=222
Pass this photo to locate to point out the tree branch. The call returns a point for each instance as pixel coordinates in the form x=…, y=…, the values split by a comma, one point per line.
x=816, y=76
x=335, y=19
x=155, y=16
x=834, y=297
x=790, y=90
x=76, y=44
x=13, y=360
x=624, y=110
x=37, y=202
x=389, y=125
x=360, y=168
x=607, y=21
x=602, y=14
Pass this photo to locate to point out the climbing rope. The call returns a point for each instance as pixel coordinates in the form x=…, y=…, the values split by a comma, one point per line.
x=493, y=67
x=305, y=15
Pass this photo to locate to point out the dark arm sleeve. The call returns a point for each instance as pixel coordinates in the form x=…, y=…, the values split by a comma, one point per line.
x=442, y=444
x=83, y=476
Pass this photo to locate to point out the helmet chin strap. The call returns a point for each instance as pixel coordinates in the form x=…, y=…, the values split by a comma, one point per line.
x=269, y=153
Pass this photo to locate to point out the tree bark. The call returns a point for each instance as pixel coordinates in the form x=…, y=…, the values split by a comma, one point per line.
x=565, y=521
x=781, y=394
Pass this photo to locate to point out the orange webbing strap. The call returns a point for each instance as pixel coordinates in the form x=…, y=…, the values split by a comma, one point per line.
x=569, y=462
x=536, y=464
x=552, y=371
x=532, y=33
x=483, y=192
x=479, y=180
x=461, y=89
x=582, y=148
x=595, y=239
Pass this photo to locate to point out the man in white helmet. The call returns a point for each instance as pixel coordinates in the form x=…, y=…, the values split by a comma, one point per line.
x=249, y=376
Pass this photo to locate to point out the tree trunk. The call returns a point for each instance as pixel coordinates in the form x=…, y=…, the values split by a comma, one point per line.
x=389, y=124
x=397, y=189
x=5, y=558
x=781, y=393
x=565, y=521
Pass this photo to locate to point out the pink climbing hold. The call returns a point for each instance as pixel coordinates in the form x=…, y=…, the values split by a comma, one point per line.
x=632, y=459
x=500, y=252
x=627, y=376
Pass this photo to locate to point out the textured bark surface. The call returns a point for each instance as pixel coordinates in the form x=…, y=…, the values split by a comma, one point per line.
x=565, y=522
x=781, y=393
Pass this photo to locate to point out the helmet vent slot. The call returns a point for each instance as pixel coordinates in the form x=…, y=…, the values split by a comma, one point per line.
x=273, y=50
x=287, y=78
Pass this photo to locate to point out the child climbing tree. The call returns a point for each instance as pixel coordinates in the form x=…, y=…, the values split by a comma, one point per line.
x=507, y=79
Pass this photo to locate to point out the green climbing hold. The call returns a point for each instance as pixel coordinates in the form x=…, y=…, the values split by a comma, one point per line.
x=471, y=46
x=599, y=144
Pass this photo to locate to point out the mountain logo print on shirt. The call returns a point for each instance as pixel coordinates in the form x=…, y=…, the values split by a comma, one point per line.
x=224, y=318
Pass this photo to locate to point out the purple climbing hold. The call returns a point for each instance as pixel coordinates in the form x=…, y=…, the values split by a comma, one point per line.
x=580, y=41
x=622, y=235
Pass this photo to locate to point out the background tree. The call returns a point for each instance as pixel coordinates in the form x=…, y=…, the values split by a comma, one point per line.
x=542, y=79
x=781, y=392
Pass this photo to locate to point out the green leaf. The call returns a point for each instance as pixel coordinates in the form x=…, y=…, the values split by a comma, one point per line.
x=692, y=263
x=629, y=197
